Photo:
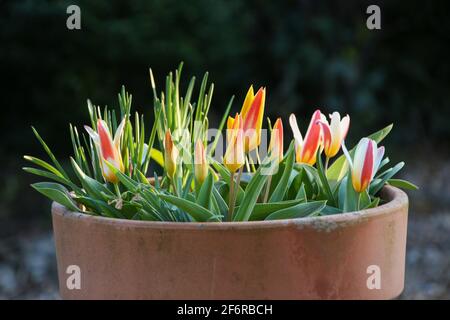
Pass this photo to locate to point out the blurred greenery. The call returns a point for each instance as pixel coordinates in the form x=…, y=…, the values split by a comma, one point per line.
x=307, y=53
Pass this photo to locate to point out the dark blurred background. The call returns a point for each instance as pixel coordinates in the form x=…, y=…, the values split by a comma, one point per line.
x=307, y=53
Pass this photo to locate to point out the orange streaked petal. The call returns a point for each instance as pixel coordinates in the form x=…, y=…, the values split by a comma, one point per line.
x=276, y=140
x=312, y=139
x=106, y=143
x=250, y=96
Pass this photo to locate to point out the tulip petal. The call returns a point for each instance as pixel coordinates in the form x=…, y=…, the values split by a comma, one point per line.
x=276, y=141
x=247, y=102
x=378, y=159
x=312, y=139
x=296, y=132
x=93, y=135
x=327, y=137
x=252, y=121
x=367, y=170
x=345, y=124
x=106, y=144
x=118, y=134
x=234, y=157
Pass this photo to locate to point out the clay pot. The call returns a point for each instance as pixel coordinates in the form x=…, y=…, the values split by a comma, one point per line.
x=330, y=257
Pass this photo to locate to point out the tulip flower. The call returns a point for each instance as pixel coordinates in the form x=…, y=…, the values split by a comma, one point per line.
x=306, y=149
x=365, y=163
x=334, y=133
x=200, y=163
x=234, y=157
x=108, y=150
x=276, y=141
x=252, y=115
x=170, y=155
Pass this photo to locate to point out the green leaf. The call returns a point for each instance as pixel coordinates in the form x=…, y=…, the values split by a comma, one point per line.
x=226, y=176
x=129, y=183
x=92, y=186
x=329, y=210
x=307, y=178
x=100, y=207
x=50, y=153
x=57, y=193
x=301, y=194
x=382, y=179
x=50, y=175
x=324, y=181
x=197, y=212
x=348, y=198
x=44, y=165
x=221, y=203
x=251, y=195
x=283, y=184
x=339, y=167
x=298, y=211
x=374, y=203
x=262, y=210
x=204, y=195
x=399, y=183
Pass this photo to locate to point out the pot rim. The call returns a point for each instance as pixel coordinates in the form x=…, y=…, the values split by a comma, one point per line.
x=398, y=200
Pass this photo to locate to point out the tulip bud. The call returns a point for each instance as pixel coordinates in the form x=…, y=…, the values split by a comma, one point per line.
x=234, y=157
x=108, y=150
x=200, y=163
x=170, y=155
x=276, y=141
x=365, y=163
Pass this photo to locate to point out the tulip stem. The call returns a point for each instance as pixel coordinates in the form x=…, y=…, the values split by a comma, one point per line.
x=174, y=185
x=358, y=202
x=247, y=164
x=327, y=160
x=257, y=156
x=230, y=197
x=266, y=194
x=234, y=189
x=116, y=188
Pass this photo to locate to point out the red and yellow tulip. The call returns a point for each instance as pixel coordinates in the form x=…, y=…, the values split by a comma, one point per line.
x=306, y=149
x=108, y=150
x=365, y=163
x=252, y=116
x=200, y=163
x=170, y=155
x=334, y=133
x=276, y=141
x=234, y=157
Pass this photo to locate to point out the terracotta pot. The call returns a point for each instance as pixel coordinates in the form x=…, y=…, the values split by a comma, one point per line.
x=330, y=257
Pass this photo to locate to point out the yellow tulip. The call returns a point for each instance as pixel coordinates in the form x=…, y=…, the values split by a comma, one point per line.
x=252, y=113
x=234, y=157
x=200, y=163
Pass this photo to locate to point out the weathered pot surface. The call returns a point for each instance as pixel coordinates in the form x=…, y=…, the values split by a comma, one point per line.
x=357, y=255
